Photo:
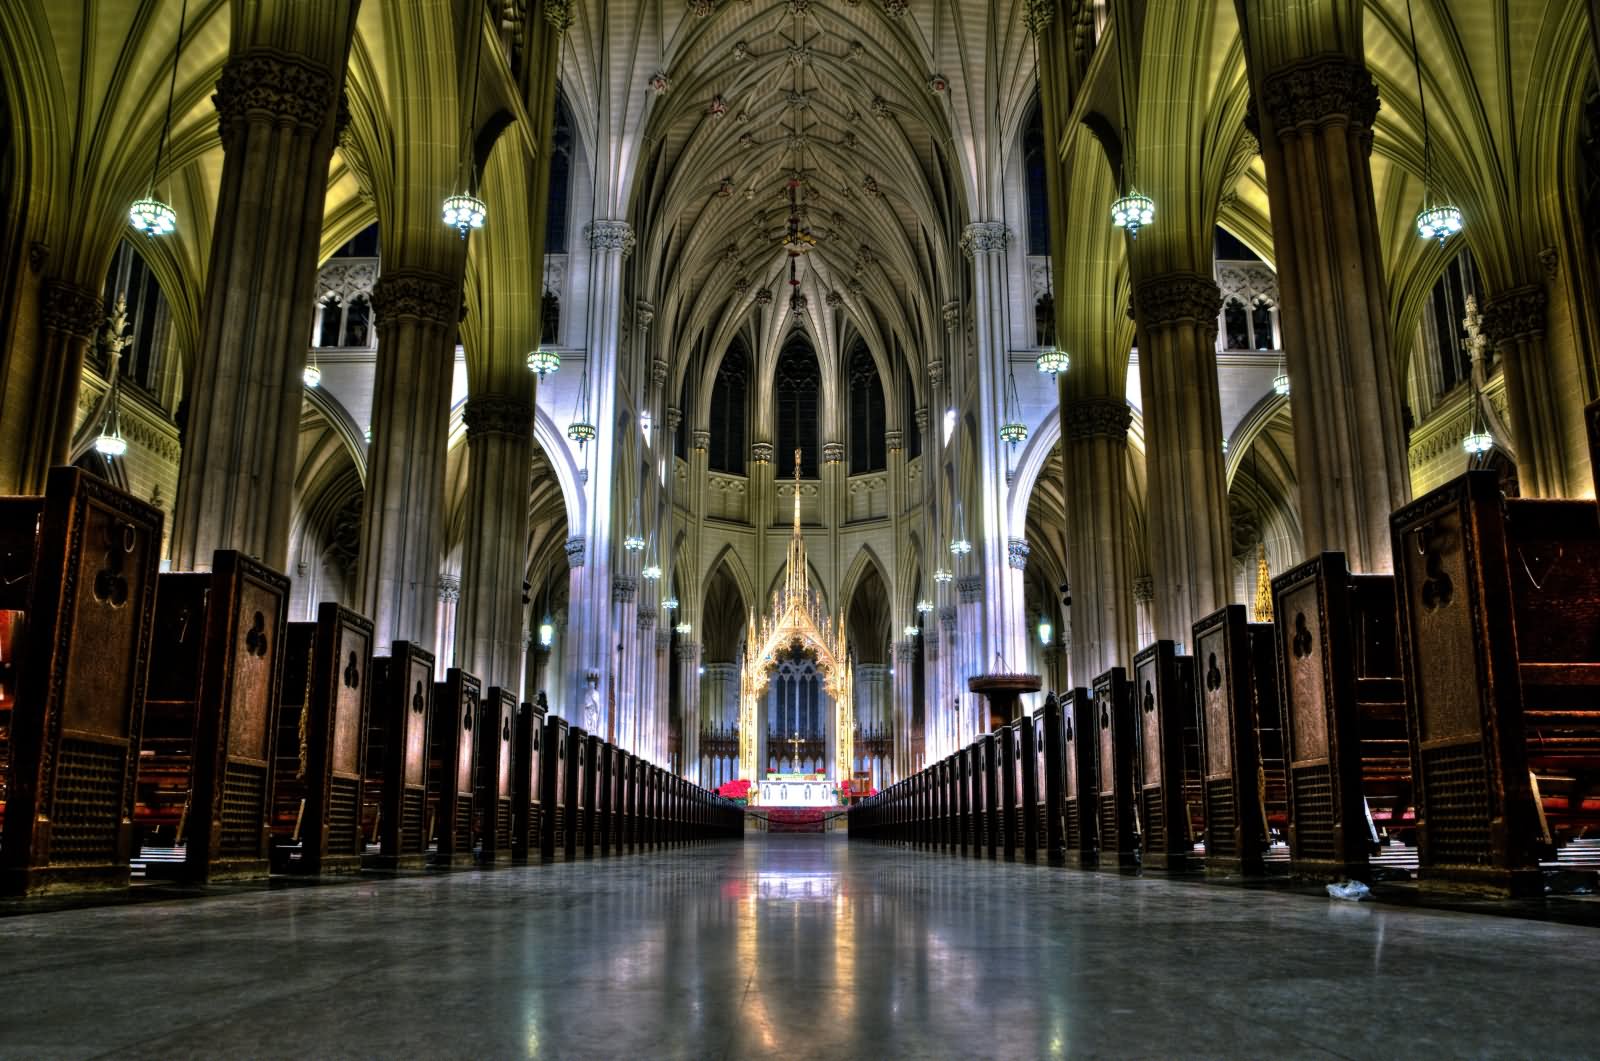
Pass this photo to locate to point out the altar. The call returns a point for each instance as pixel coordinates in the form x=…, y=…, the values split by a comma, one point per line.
x=796, y=790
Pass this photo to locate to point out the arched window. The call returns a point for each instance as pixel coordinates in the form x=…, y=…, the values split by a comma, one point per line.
x=1447, y=308
x=549, y=319
x=1033, y=160
x=729, y=411
x=908, y=424
x=1237, y=322
x=1261, y=325
x=1044, y=320
x=798, y=389
x=555, y=231
x=148, y=323
x=867, y=446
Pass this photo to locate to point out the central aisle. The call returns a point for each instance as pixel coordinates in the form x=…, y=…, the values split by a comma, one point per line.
x=786, y=946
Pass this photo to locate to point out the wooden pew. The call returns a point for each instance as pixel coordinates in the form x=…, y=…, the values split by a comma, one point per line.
x=1115, y=759
x=961, y=782
x=577, y=790
x=396, y=790
x=450, y=762
x=993, y=819
x=945, y=832
x=1236, y=685
x=492, y=794
x=594, y=821
x=323, y=715
x=205, y=763
x=1163, y=689
x=624, y=801
x=78, y=573
x=556, y=787
x=1499, y=607
x=638, y=840
x=1079, y=794
x=606, y=797
x=1049, y=754
x=1344, y=711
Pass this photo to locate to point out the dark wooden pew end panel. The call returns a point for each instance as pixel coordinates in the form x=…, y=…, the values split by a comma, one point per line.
x=1168, y=752
x=450, y=769
x=396, y=791
x=77, y=614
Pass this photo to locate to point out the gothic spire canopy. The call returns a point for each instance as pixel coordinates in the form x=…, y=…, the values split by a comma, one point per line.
x=796, y=622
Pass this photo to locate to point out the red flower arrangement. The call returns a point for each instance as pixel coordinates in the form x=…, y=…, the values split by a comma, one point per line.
x=739, y=790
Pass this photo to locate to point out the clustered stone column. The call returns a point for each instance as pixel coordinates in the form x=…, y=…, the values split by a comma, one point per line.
x=402, y=519
x=1514, y=322
x=1350, y=460
x=1176, y=315
x=276, y=116
x=689, y=687
x=1099, y=568
x=491, y=624
x=70, y=318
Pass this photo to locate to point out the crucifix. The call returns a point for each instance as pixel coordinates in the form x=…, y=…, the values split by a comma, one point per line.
x=794, y=742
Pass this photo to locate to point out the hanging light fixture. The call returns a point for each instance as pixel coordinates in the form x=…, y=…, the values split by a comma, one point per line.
x=960, y=545
x=669, y=604
x=464, y=211
x=912, y=631
x=943, y=577
x=311, y=375
x=1045, y=631
x=547, y=631
x=109, y=442
x=651, y=570
x=581, y=430
x=1280, y=382
x=1013, y=430
x=633, y=542
x=544, y=362
x=1439, y=219
x=149, y=214
x=684, y=628
x=924, y=606
x=1133, y=212
x=1054, y=361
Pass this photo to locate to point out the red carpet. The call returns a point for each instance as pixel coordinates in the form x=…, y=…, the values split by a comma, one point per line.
x=795, y=819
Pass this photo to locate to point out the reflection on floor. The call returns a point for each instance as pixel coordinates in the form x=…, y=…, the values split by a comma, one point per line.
x=787, y=946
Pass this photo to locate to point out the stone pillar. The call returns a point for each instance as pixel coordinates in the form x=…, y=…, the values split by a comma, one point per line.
x=904, y=714
x=70, y=317
x=623, y=670
x=1514, y=322
x=276, y=116
x=1350, y=449
x=1099, y=569
x=593, y=646
x=491, y=624
x=1002, y=630
x=1144, y=598
x=689, y=691
x=570, y=705
x=1188, y=520
x=645, y=708
x=444, y=642
x=402, y=520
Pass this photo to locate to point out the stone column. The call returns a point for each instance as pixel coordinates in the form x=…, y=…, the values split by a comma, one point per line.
x=645, y=708
x=70, y=316
x=570, y=704
x=904, y=714
x=276, y=117
x=593, y=645
x=444, y=642
x=624, y=666
x=689, y=690
x=402, y=520
x=1002, y=631
x=663, y=700
x=1189, y=536
x=1514, y=322
x=1144, y=598
x=1350, y=449
x=491, y=622
x=1099, y=569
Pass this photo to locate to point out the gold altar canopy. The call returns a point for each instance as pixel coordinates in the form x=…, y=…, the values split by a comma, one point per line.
x=796, y=619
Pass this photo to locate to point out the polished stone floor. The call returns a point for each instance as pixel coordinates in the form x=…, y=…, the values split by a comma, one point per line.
x=790, y=946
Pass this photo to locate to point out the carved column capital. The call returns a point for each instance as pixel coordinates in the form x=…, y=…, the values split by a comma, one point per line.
x=920, y=415
x=1317, y=90
x=1102, y=417
x=1515, y=314
x=936, y=372
x=947, y=618
x=985, y=237
x=906, y=652
x=575, y=552
x=1178, y=298
x=663, y=640
x=646, y=621
x=761, y=452
x=610, y=235
x=688, y=651
x=658, y=371
x=700, y=439
x=951, y=313
x=416, y=294
x=497, y=414
x=1017, y=551
x=644, y=313
x=894, y=439
x=1144, y=588
x=672, y=418
x=70, y=310
x=449, y=589
x=970, y=587
x=623, y=588
x=274, y=87
x=832, y=452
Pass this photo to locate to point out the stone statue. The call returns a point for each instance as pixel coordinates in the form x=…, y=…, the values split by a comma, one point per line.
x=591, y=704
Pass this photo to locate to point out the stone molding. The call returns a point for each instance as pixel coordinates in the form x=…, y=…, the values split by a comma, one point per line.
x=658, y=372
x=700, y=439
x=761, y=452
x=832, y=452
x=1103, y=417
x=644, y=313
x=672, y=417
x=970, y=587
x=575, y=552
x=646, y=621
x=611, y=235
x=1017, y=550
x=951, y=312
x=449, y=589
x=416, y=295
x=920, y=415
x=936, y=372
x=1316, y=90
x=71, y=310
x=270, y=86
x=1515, y=314
x=985, y=237
x=497, y=414
x=1144, y=588
x=623, y=588
x=1179, y=298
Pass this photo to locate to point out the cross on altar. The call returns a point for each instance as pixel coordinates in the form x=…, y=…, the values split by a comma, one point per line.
x=794, y=742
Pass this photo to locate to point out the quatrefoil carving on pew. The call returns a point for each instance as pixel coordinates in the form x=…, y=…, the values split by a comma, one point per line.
x=1213, y=674
x=352, y=673
x=110, y=584
x=505, y=730
x=1069, y=727
x=466, y=715
x=417, y=703
x=1301, y=644
x=255, y=640
x=1149, y=698
x=1105, y=717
